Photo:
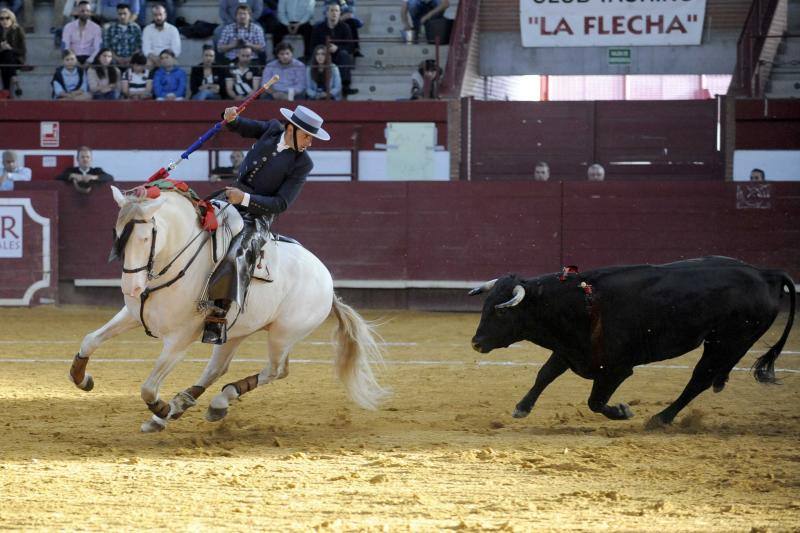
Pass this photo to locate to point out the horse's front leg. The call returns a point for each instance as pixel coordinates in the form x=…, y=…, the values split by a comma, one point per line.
x=122, y=322
x=171, y=354
x=217, y=366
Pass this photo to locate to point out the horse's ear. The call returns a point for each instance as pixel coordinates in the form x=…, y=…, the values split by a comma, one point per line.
x=149, y=207
x=118, y=196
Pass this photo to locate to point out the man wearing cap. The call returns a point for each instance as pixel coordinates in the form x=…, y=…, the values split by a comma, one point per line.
x=270, y=178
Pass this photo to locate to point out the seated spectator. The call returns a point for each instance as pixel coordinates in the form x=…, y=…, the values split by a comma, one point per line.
x=541, y=172
x=136, y=82
x=123, y=37
x=420, y=12
x=268, y=18
x=69, y=81
x=103, y=77
x=12, y=172
x=160, y=35
x=82, y=36
x=242, y=33
x=341, y=48
x=21, y=9
x=323, y=79
x=231, y=172
x=292, y=82
x=228, y=8
x=425, y=81
x=169, y=9
x=207, y=81
x=83, y=177
x=294, y=18
x=349, y=18
x=757, y=175
x=12, y=51
x=596, y=172
x=108, y=10
x=169, y=82
x=242, y=77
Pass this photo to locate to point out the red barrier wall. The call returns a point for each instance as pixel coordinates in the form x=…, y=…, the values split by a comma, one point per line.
x=465, y=231
x=767, y=125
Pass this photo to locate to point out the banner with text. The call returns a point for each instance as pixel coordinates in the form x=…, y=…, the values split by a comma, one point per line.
x=550, y=23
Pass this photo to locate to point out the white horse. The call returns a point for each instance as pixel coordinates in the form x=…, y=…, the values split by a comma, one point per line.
x=161, y=248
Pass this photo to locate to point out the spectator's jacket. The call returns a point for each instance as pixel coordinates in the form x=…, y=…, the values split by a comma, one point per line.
x=61, y=86
x=339, y=32
x=102, y=176
x=173, y=82
x=313, y=90
x=15, y=37
x=83, y=43
x=196, y=79
x=292, y=76
x=154, y=41
x=123, y=40
x=295, y=11
x=227, y=9
x=271, y=176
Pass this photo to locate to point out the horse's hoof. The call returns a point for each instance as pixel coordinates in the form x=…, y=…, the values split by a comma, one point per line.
x=214, y=414
x=625, y=410
x=154, y=425
x=88, y=383
x=519, y=413
x=655, y=422
x=179, y=404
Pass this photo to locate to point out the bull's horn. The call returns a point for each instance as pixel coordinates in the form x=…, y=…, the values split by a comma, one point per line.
x=483, y=288
x=519, y=294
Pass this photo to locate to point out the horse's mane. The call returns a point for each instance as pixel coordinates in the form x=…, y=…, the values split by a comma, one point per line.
x=136, y=200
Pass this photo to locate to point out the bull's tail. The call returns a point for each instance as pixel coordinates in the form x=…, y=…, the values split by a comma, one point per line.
x=764, y=367
x=357, y=349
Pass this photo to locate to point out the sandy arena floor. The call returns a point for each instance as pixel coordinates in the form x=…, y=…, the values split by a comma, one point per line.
x=442, y=454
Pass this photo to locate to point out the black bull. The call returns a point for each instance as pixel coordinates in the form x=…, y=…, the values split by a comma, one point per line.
x=602, y=323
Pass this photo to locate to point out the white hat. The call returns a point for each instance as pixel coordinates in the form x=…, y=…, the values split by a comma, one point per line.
x=306, y=120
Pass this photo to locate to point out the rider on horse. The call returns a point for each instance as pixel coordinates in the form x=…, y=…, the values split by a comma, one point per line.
x=270, y=178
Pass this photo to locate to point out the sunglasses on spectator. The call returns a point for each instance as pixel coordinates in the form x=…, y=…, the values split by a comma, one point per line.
x=5, y=18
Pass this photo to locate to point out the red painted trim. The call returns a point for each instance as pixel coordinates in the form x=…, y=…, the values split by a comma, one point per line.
x=464, y=27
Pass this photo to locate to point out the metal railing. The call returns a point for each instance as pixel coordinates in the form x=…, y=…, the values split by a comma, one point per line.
x=750, y=45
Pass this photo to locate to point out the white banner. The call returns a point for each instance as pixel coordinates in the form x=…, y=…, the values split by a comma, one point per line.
x=11, y=231
x=549, y=23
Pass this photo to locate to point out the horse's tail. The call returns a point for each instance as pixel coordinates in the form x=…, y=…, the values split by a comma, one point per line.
x=357, y=349
x=764, y=367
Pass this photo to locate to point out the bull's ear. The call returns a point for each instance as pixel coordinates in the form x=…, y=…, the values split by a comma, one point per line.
x=118, y=196
x=483, y=288
x=519, y=294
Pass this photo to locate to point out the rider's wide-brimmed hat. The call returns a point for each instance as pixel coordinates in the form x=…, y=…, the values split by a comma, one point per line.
x=306, y=120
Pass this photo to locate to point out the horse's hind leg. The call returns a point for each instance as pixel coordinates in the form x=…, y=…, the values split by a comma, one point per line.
x=122, y=322
x=217, y=366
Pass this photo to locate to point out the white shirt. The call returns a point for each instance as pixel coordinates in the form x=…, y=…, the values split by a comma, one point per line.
x=21, y=174
x=281, y=147
x=154, y=41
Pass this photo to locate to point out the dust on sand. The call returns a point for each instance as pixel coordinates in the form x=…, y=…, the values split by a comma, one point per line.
x=443, y=452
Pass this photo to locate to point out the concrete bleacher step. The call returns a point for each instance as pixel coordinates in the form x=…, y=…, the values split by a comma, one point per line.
x=783, y=89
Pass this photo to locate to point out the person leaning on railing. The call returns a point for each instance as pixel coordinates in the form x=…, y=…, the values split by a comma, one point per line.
x=12, y=50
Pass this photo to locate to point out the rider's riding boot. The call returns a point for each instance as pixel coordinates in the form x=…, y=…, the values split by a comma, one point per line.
x=216, y=325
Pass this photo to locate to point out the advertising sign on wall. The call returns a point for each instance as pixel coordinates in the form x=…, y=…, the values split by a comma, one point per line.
x=10, y=231
x=548, y=23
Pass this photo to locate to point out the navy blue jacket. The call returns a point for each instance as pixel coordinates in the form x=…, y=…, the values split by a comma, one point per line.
x=272, y=179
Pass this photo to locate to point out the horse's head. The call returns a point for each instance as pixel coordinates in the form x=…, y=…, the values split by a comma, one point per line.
x=135, y=241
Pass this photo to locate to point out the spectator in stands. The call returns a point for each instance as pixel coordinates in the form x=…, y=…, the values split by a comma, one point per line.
x=69, y=81
x=231, y=172
x=425, y=81
x=206, y=80
x=324, y=82
x=268, y=18
x=341, y=46
x=103, y=77
x=349, y=17
x=108, y=10
x=541, y=172
x=757, y=175
x=160, y=35
x=84, y=176
x=292, y=82
x=242, y=77
x=420, y=12
x=123, y=37
x=596, y=172
x=294, y=18
x=136, y=82
x=12, y=51
x=242, y=33
x=21, y=8
x=82, y=36
x=228, y=8
x=169, y=82
x=12, y=172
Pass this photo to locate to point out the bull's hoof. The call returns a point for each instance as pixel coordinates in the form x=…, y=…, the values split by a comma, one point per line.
x=215, y=414
x=719, y=383
x=624, y=411
x=179, y=404
x=519, y=413
x=656, y=422
x=154, y=425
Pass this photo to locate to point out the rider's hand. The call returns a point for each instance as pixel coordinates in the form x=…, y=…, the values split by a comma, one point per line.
x=234, y=195
x=230, y=114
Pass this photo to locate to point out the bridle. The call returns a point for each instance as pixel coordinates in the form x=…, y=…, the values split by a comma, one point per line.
x=121, y=241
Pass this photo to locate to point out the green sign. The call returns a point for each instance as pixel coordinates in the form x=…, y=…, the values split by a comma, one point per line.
x=619, y=56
